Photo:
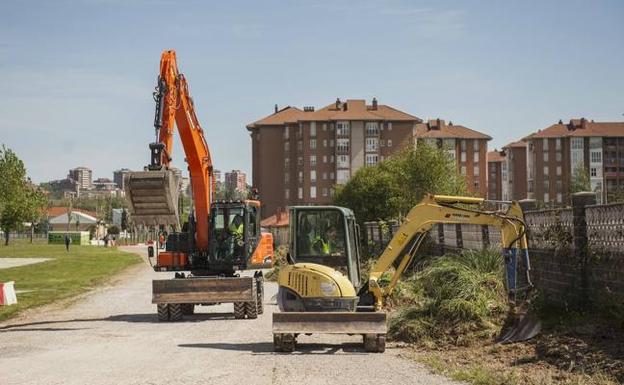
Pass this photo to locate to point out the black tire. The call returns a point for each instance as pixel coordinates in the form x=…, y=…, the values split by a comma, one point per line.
x=188, y=308
x=277, y=343
x=381, y=343
x=289, y=342
x=260, y=291
x=162, y=309
x=175, y=312
x=251, y=307
x=370, y=343
x=239, y=310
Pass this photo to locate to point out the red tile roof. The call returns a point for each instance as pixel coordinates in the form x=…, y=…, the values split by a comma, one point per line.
x=437, y=128
x=580, y=128
x=518, y=143
x=495, y=156
x=59, y=210
x=352, y=109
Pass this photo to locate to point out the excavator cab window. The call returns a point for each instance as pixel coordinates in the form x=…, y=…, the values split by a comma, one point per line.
x=228, y=226
x=321, y=237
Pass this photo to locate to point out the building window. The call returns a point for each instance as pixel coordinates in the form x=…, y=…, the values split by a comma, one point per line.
x=372, y=144
x=463, y=156
x=545, y=156
x=312, y=129
x=476, y=185
x=545, y=144
x=312, y=160
x=300, y=145
x=389, y=126
x=324, y=158
x=577, y=143
x=463, y=170
x=558, y=170
x=462, y=144
x=299, y=161
x=593, y=171
x=300, y=193
x=286, y=133
x=475, y=171
x=331, y=175
x=558, y=156
x=546, y=198
x=342, y=128
x=559, y=197
x=342, y=176
x=324, y=142
x=286, y=162
x=324, y=176
x=546, y=185
x=596, y=157
x=331, y=159
x=371, y=159
x=325, y=192
x=286, y=146
x=324, y=126
x=313, y=144
x=559, y=185
x=342, y=145
x=312, y=192
x=287, y=194
x=343, y=161
x=300, y=176
x=286, y=177
x=476, y=157
x=313, y=176
x=545, y=170
x=331, y=143
x=558, y=144
x=389, y=144
x=372, y=128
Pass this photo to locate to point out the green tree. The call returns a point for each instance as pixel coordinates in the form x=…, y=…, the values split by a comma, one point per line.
x=580, y=180
x=391, y=188
x=20, y=200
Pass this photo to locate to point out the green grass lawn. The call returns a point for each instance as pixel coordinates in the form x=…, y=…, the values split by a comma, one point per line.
x=65, y=275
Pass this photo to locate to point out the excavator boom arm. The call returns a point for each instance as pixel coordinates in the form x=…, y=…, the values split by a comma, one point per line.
x=433, y=210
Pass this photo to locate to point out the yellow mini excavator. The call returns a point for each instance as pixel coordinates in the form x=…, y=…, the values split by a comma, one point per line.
x=321, y=290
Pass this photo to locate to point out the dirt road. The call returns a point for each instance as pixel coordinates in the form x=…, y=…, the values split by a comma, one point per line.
x=112, y=336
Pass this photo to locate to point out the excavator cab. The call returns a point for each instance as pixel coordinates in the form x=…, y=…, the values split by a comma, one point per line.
x=237, y=239
x=326, y=235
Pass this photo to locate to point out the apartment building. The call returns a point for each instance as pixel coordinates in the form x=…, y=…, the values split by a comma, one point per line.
x=299, y=155
x=516, y=169
x=236, y=180
x=467, y=146
x=82, y=175
x=558, y=152
x=497, y=175
x=119, y=177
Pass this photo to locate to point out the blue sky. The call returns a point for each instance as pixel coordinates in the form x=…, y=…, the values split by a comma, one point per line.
x=77, y=76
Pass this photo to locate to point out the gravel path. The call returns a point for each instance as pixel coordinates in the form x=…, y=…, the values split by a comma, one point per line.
x=111, y=336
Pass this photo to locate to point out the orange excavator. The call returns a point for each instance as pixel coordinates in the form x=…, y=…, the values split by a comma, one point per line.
x=220, y=239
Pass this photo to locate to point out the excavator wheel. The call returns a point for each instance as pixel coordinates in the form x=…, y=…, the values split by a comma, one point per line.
x=175, y=312
x=375, y=343
x=284, y=342
x=188, y=308
x=239, y=310
x=260, y=291
x=163, y=312
x=251, y=307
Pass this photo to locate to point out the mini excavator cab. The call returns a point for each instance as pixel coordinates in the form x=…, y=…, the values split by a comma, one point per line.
x=323, y=239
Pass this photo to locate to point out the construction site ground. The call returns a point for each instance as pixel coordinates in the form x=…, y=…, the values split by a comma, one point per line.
x=112, y=336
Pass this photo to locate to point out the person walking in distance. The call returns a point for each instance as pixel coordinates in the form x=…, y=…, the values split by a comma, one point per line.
x=68, y=241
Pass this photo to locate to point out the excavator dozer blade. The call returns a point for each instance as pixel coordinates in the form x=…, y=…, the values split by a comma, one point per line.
x=525, y=326
x=153, y=197
x=330, y=322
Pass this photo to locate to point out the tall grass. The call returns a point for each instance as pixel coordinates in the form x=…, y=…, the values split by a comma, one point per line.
x=456, y=299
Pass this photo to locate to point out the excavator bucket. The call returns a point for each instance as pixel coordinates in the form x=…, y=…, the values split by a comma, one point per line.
x=153, y=197
x=524, y=326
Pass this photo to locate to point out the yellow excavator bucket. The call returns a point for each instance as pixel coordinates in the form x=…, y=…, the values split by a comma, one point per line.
x=153, y=197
